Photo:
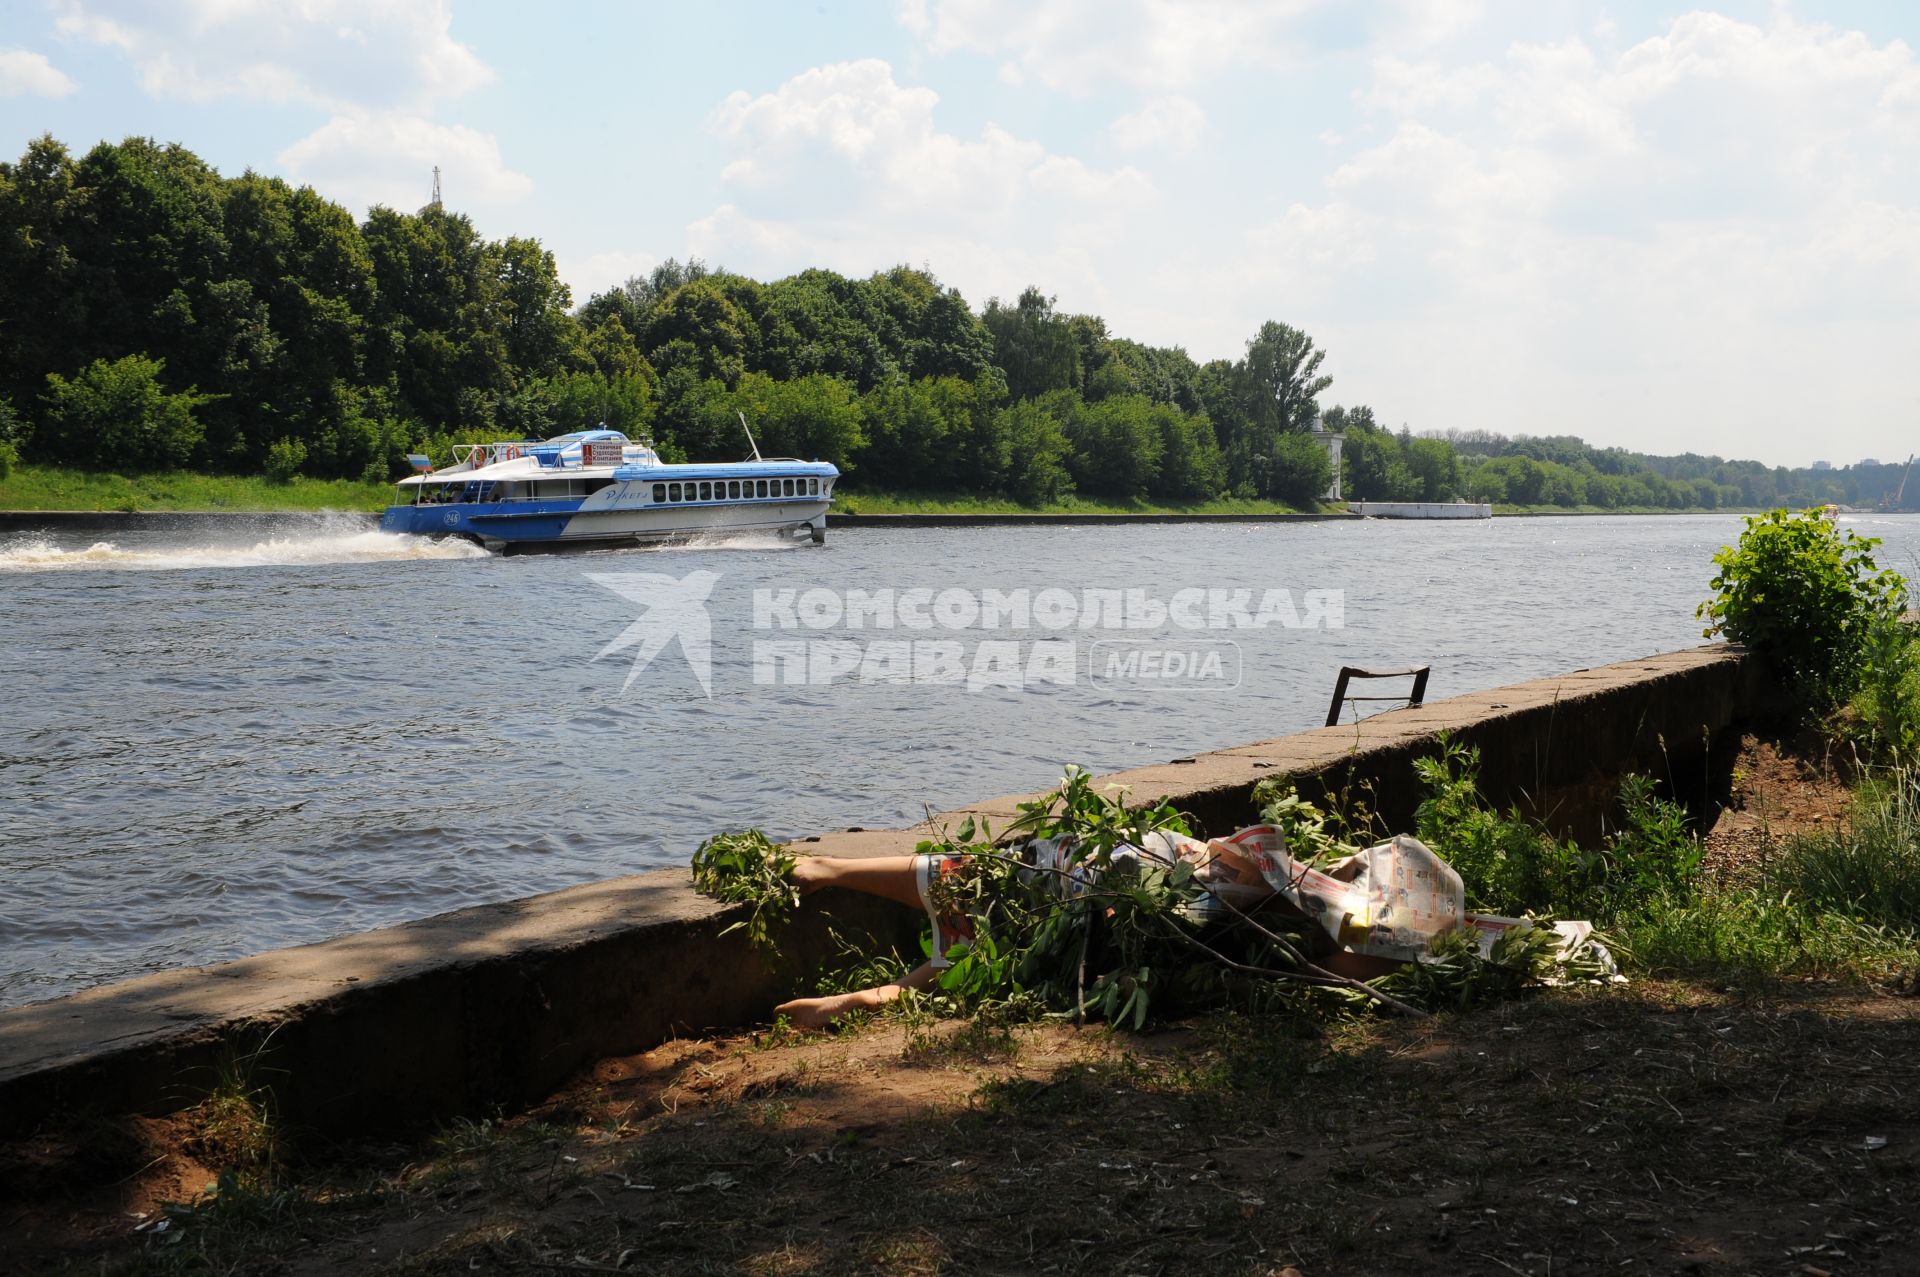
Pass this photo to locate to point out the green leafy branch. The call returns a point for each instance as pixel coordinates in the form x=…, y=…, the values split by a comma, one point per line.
x=748, y=868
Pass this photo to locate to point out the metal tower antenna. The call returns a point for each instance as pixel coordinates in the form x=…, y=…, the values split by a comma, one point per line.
x=436, y=186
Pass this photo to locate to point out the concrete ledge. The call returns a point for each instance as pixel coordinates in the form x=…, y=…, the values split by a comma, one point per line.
x=408, y=1025
x=838, y=520
x=497, y=1005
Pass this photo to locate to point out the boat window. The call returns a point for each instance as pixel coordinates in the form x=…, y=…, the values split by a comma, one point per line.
x=659, y=493
x=594, y=485
x=673, y=492
x=813, y=487
x=733, y=489
x=786, y=487
x=706, y=492
x=762, y=485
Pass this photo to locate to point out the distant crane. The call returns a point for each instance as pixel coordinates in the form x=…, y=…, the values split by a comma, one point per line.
x=1900, y=494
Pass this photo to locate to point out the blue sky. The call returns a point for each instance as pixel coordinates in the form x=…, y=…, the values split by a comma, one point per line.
x=1653, y=226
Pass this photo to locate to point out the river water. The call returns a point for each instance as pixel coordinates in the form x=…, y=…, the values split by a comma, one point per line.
x=216, y=745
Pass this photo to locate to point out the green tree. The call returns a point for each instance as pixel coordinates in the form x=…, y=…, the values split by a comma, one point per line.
x=1034, y=347
x=929, y=435
x=43, y=306
x=1282, y=379
x=1191, y=468
x=815, y=417
x=696, y=327
x=1371, y=465
x=436, y=331
x=1435, y=468
x=1037, y=452
x=1164, y=374
x=541, y=338
x=1299, y=471
x=1116, y=443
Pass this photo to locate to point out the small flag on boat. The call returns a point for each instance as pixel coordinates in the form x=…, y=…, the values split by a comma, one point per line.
x=419, y=462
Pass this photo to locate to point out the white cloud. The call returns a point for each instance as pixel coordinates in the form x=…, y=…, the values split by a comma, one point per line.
x=1081, y=46
x=338, y=55
x=843, y=167
x=1712, y=236
x=389, y=158
x=1425, y=22
x=1169, y=123
x=26, y=74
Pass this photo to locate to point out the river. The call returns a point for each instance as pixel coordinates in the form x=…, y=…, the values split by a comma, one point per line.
x=220, y=744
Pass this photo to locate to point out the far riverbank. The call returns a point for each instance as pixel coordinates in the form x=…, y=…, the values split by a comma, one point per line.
x=68, y=495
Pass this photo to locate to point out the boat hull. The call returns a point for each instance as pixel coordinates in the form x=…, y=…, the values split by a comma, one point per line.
x=518, y=523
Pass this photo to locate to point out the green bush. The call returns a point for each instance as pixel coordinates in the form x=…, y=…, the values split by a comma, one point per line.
x=1653, y=854
x=1806, y=597
x=1509, y=864
x=1882, y=719
x=118, y=416
x=284, y=459
x=1299, y=471
x=9, y=458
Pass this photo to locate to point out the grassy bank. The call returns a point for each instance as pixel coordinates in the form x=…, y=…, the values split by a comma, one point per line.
x=51, y=488
x=851, y=500
x=1502, y=507
x=47, y=488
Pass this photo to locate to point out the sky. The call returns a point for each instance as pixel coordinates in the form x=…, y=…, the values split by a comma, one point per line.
x=1659, y=228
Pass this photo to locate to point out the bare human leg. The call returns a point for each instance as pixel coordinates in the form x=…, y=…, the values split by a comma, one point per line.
x=889, y=877
x=817, y=1013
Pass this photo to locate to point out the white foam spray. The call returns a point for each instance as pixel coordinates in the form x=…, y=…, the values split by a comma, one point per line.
x=39, y=553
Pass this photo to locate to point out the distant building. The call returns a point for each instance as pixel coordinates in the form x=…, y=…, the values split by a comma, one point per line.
x=1868, y=461
x=1331, y=441
x=1822, y=465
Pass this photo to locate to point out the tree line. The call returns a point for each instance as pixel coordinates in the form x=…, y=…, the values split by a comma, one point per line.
x=158, y=315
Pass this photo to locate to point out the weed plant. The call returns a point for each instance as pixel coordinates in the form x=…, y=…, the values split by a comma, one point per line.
x=1510, y=864
x=1807, y=597
x=1871, y=869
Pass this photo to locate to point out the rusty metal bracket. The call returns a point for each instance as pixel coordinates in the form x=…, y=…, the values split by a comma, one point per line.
x=1418, y=673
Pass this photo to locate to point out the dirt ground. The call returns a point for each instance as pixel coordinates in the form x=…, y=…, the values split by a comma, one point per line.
x=1780, y=788
x=1651, y=1127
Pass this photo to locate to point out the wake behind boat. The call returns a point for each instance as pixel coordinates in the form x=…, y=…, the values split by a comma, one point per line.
x=597, y=486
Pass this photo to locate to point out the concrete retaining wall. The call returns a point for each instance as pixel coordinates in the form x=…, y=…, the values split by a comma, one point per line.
x=497, y=1005
x=1420, y=509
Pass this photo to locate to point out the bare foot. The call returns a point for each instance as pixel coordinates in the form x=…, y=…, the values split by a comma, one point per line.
x=818, y=1013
